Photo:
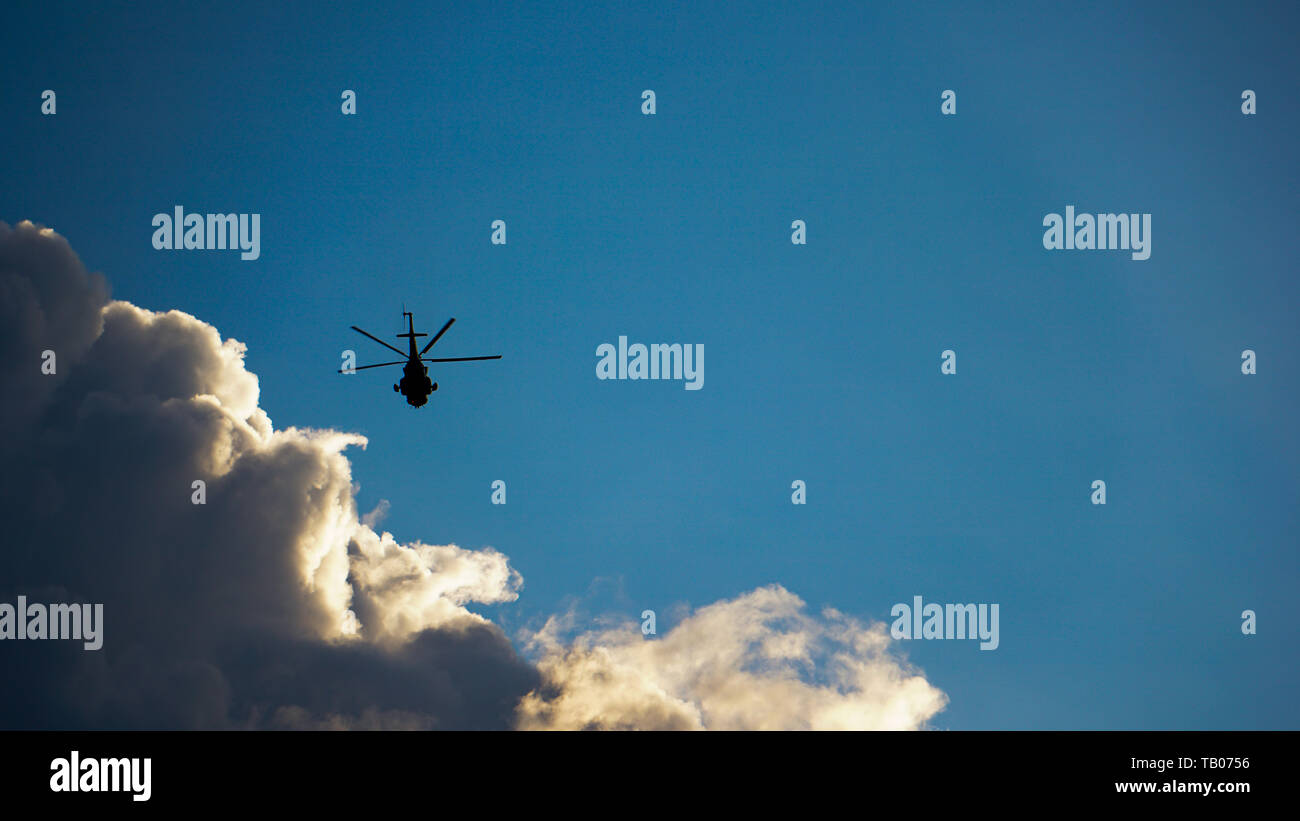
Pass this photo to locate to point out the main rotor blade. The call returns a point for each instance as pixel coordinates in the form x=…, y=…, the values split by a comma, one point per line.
x=462, y=358
x=380, y=341
x=437, y=336
x=380, y=365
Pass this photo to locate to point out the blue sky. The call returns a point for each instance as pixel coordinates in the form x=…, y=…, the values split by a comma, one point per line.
x=822, y=361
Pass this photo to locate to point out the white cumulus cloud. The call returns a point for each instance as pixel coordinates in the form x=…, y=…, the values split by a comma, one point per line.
x=756, y=662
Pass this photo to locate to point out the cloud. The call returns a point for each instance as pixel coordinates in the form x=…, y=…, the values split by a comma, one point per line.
x=756, y=662
x=59, y=309
x=272, y=604
x=275, y=605
x=374, y=517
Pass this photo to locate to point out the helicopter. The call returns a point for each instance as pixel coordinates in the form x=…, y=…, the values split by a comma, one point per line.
x=415, y=384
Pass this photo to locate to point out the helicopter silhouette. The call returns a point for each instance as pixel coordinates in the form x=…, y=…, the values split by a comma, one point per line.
x=415, y=384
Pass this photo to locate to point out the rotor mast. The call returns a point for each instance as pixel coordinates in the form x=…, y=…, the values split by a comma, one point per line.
x=410, y=334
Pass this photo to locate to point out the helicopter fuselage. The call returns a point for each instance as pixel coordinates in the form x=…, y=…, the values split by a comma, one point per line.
x=415, y=384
